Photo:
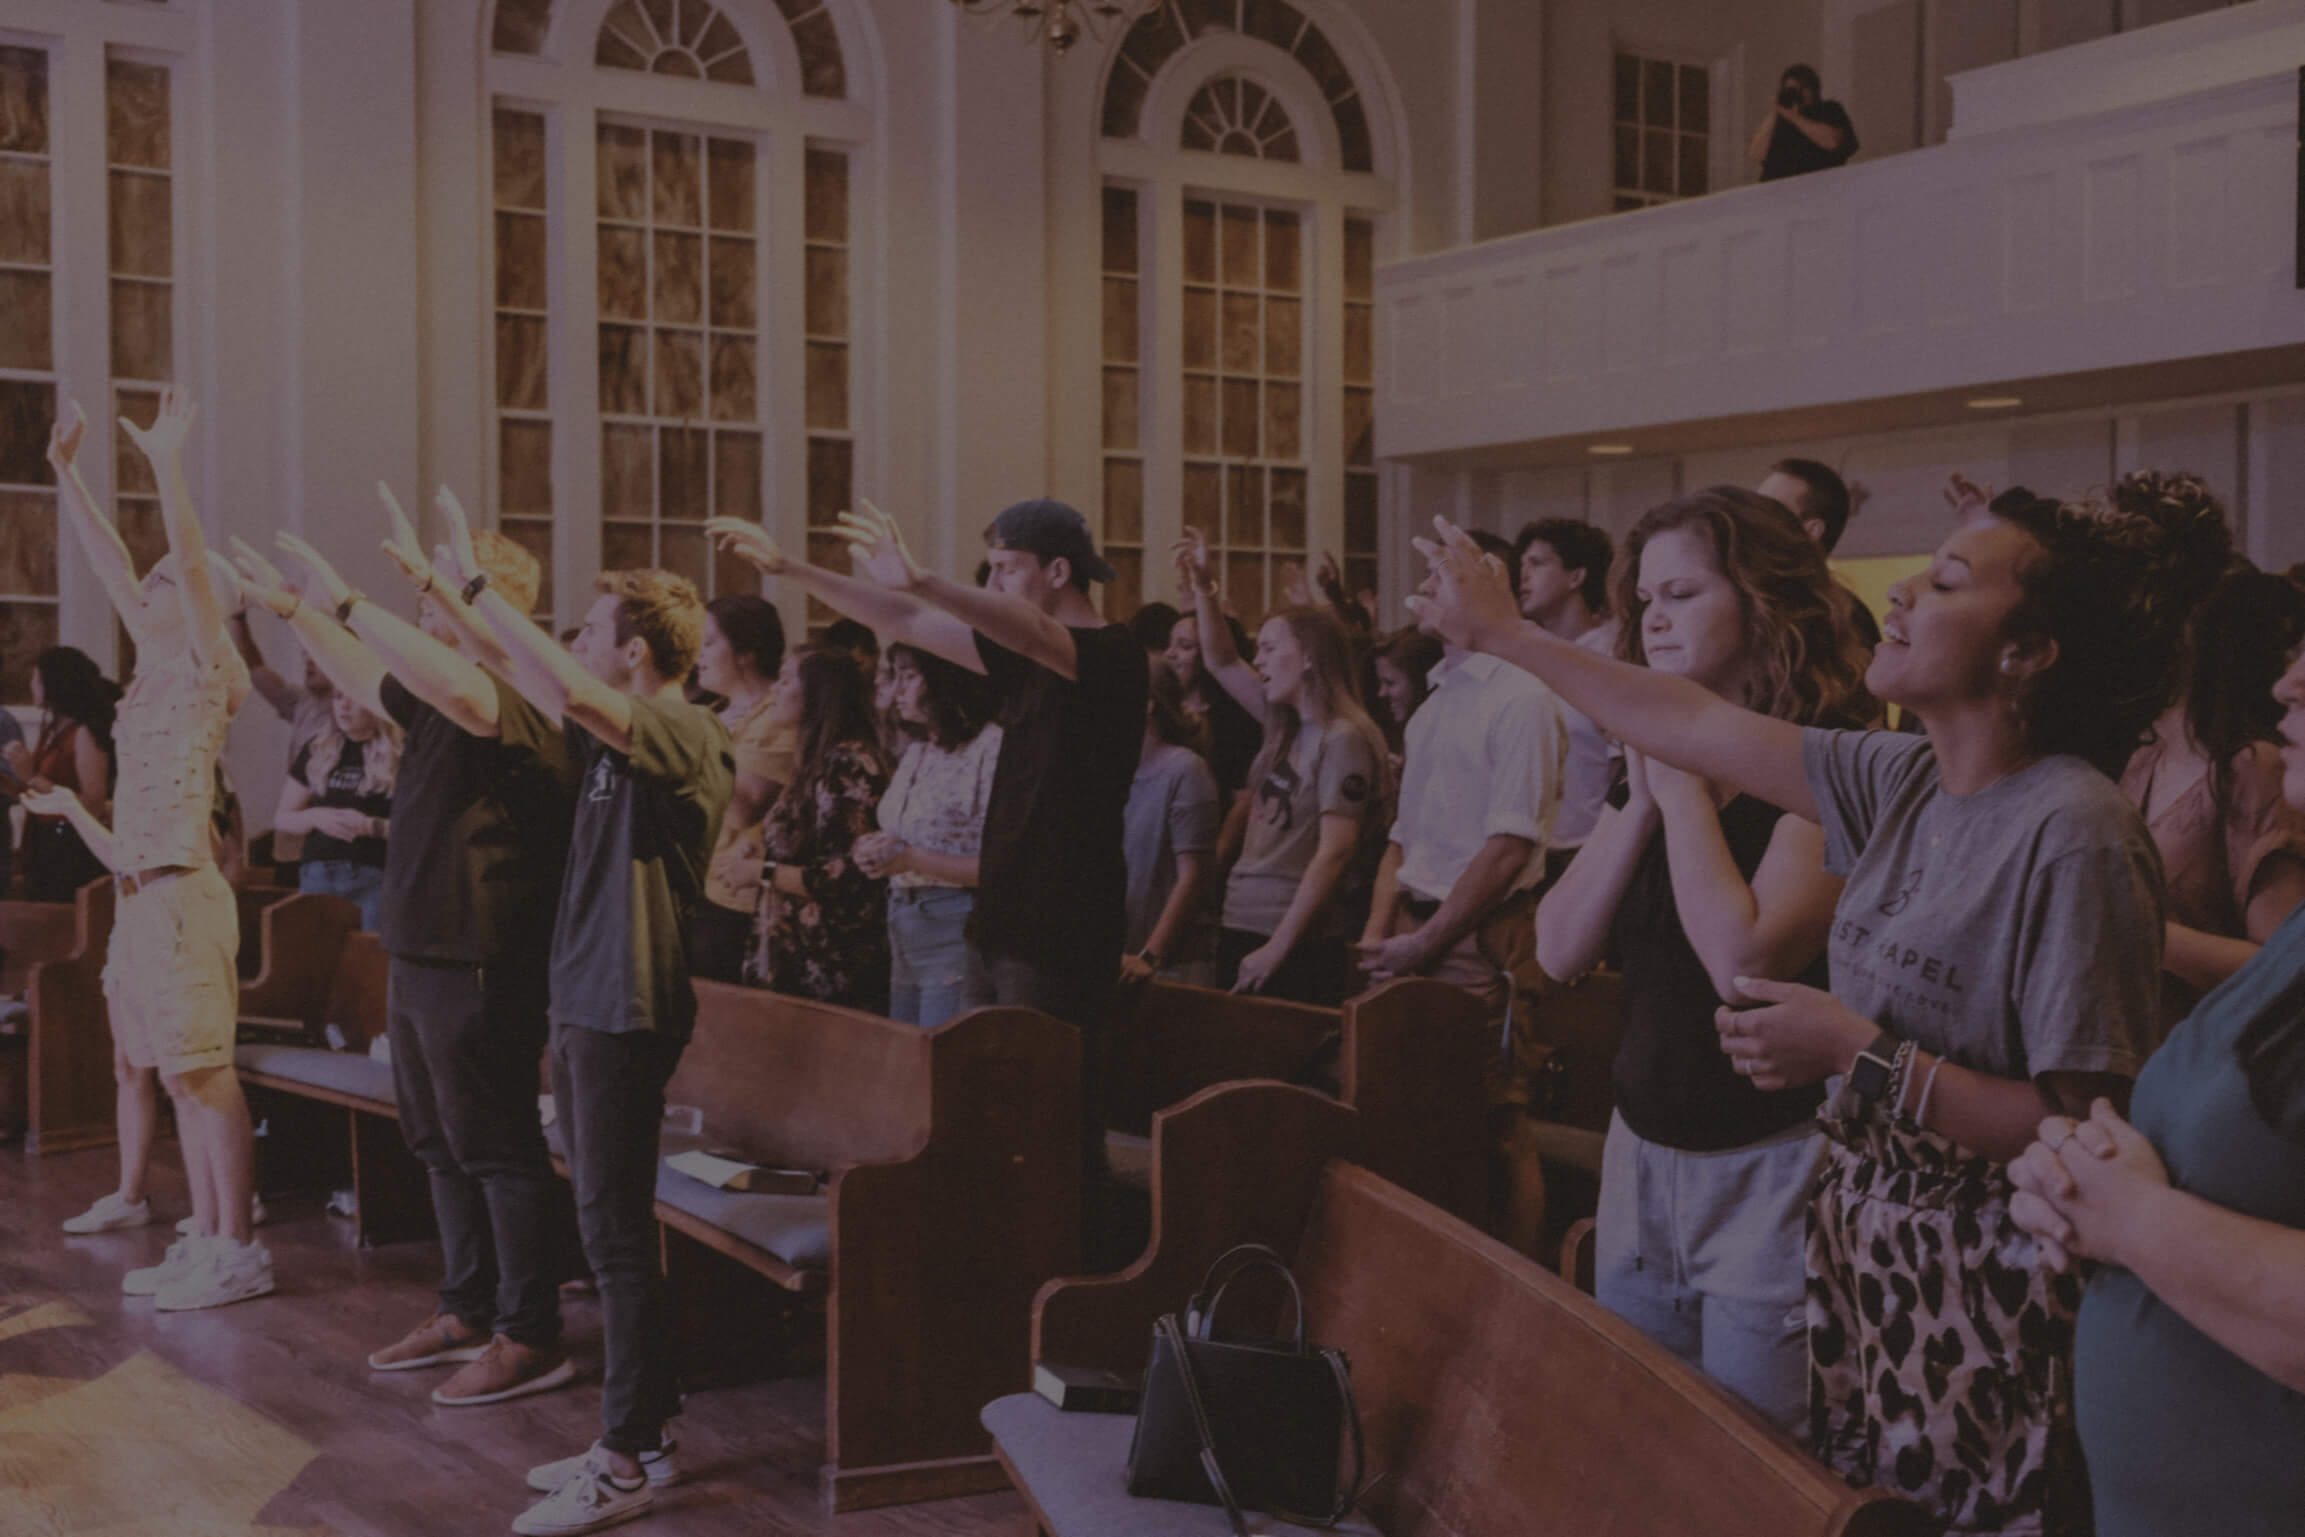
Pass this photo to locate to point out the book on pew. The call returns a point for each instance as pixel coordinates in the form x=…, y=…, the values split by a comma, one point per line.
x=1088, y=1389
x=724, y=1171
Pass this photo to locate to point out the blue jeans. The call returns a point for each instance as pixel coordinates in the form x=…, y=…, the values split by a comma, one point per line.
x=361, y=885
x=1706, y=1253
x=928, y=971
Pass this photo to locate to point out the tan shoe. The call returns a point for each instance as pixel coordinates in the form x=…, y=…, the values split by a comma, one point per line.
x=505, y=1370
x=437, y=1341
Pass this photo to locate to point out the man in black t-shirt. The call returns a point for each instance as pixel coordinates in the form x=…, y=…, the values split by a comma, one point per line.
x=479, y=824
x=1050, y=921
x=1803, y=132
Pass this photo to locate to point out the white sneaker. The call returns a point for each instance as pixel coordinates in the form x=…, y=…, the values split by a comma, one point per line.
x=256, y=1216
x=585, y=1502
x=230, y=1272
x=662, y=1467
x=110, y=1213
x=182, y=1258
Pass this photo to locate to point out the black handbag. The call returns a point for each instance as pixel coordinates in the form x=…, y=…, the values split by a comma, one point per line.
x=1245, y=1423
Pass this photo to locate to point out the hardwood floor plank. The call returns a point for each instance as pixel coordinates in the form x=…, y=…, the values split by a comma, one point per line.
x=263, y=1418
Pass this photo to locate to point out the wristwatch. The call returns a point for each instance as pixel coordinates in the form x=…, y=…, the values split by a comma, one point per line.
x=1869, y=1074
x=474, y=588
x=1150, y=957
x=352, y=600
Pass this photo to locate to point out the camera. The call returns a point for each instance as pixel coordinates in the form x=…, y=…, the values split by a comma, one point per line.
x=1789, y=96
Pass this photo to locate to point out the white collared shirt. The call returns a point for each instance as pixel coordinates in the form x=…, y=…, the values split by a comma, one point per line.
x=1592, y=761
x=1486, y=753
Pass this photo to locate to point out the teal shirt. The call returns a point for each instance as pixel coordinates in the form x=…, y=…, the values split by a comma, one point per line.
x=2183, y=1436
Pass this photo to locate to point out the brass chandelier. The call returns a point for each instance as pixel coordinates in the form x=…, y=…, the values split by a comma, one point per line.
x=1059, y=23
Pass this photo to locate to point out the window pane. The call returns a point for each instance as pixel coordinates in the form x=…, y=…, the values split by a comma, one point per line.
x=682, y=480
x=1120, y=320
x=1627, y=97
x=26, y=630
x=827, y=387
x=1694, y=171
x=524, y=466
x=519, y=159
x=1200, y=414
x=26, y=315
x=621, y=171
x=735, y=387
x=1284, y=339
x=679, y=278
x=24, y=217
x=827, y=292
x=1121, y=419
x=675, y=195
x=1242, y=333
x=24, y=100
x=136, y=114
x=1284, y=252
x=1696, y=99
x=1200, y=327
x=28, y=543
x=142, y=224
x=1656, y=160
x=1656, y=93
x=1120, y=229
x=1200, y=242
x=522, y=279
x=679, y=374
x=627, y=471
x=1243, y=418
x=1123, y=500
x=623, y=273
x=1626, y=168
x=830, y=481
x=736, y=475
x=1284, y=416
x=733, y=280
x=1240, y=242
x=623, y=368
x=1287, y=512
x=142, y=344
x=827, y=195
x=729, y=163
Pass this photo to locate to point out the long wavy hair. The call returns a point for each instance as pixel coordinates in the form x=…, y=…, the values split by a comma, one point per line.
x=1333, y=676
x=74, y=689
x=1807, y=664
x=2242, y=637
x=835, y=711
x=379, y=756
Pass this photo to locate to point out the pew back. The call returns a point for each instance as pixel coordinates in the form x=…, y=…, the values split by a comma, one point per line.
x=1168, y=1042
x=1496, y=1398
x=788, y=1081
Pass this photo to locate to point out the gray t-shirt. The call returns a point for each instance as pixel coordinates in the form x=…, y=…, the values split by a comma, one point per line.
x=1329, y=771
x=1172, y=810
x=637, y=852
x=2015, y=931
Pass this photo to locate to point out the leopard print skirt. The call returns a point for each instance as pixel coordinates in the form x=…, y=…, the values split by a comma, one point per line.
x=1940, y=1348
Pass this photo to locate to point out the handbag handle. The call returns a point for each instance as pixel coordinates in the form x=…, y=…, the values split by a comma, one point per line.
x=1166, y=1326
x=1230, y=1266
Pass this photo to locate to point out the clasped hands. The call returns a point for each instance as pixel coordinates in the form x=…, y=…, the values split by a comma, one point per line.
x=880, y=855
x=2081, y=1186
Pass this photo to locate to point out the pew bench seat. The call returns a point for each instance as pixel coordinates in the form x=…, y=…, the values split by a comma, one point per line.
x=785, y=1238
x=351, y=1079
x=1071, y=1467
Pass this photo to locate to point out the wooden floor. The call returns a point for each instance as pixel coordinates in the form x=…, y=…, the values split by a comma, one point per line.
x=117, y=1421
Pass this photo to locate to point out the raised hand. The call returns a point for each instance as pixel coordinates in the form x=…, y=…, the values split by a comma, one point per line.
x=748, y=542
x=406, y=550
x=325, y=581
x=163, y=441
x=1193, y=561
x=64, y=442
x=1965, y=497
x=1467, y=599
x=1330, y=578
x=262, y=580
x=877, y=551
x=460, y=547
x=1296, y=591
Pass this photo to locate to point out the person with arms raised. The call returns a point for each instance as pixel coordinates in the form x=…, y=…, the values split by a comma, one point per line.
x=472, y=863
x=1051, y=873
x=654, y=774
x=171, y=977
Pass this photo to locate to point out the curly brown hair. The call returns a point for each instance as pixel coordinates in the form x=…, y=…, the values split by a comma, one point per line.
x=1810, y=667
x=2096, y=589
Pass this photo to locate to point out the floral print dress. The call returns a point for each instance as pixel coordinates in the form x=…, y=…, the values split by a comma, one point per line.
x=830, y=944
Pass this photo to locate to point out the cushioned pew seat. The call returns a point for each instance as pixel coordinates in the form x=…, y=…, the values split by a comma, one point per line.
x=1073, y=1464
x=797, y=1229
x=346, y=1072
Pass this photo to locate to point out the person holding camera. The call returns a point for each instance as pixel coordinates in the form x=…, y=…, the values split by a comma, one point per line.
x=1803, y=132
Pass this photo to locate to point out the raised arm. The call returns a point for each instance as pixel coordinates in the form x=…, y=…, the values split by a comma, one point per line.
x=107, y=555
x=896, y=616
x=1685, y=724
x=163, y=444
x=275, y=690
x=876, y=546
x=1220, y=658
x=349, y=665
x=508, y=641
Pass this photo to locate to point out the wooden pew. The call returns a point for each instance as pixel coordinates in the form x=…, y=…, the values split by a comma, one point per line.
x=32, y=932
x=1237, y=1163
x=331, y=1118
x=253, y=902
x=300, y=939
x=1496, y=1399
x=70, y=1102
x=954, y=1194
x=1412, y=1057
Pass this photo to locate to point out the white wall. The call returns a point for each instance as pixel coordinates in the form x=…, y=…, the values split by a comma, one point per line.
x=2250, y=448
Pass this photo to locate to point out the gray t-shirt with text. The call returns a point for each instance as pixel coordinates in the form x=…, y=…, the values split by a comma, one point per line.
x=1328, y=771
x=2015, y=931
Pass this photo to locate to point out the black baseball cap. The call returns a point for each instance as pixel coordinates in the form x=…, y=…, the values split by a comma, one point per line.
x=1049, y=529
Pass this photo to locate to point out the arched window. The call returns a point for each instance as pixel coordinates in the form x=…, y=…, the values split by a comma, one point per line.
x=671, y=196
x=1243, y=188
x=92, y=136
